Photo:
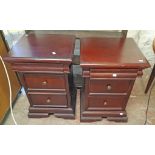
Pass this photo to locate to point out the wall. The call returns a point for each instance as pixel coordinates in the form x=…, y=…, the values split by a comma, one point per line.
x=144, y=39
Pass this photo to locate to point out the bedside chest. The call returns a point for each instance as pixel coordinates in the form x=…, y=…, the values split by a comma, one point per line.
x=43, y=64
x=110, y=67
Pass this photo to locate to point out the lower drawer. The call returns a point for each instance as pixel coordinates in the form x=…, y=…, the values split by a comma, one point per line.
x=106, y=102
x=48, y=99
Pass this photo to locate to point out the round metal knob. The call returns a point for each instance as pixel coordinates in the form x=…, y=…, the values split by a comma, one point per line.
x=48, y=100
x=53, y=52
x=44, y=83
x=109, y=87
x=121, y=114
x=114, y=75
x=105, y=103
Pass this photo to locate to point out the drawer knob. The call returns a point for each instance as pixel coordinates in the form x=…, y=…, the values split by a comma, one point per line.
x=105, y=103
x=44, y=83
x=48, y=100
x=53, y=52
x=109, y=87
x=114, y=75
x=121, y=114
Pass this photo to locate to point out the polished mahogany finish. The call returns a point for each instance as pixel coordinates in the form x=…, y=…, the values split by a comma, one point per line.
x=48, y=99
x=111, y=53
x=106, y=102
x=110, y=67
x=43, y=63
x=45, y=81
x=109, y=86
x=43, y=48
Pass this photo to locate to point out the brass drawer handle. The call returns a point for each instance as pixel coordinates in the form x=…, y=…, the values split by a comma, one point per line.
x=44, y=83
x=109, y=87
x=48, y=100
x=105, y=103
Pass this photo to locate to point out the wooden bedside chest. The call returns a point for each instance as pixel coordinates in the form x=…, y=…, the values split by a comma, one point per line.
x=110, y=67
x=43, y=63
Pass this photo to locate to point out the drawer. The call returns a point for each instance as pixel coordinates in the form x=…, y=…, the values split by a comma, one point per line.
x=44, y=81
x=109, y=86
x=113, y=73
x=38, y=67
x=106, y=102
x=48, y=99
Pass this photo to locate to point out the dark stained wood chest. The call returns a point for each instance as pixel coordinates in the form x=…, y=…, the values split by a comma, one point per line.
x=43, y=63
x=110, y=67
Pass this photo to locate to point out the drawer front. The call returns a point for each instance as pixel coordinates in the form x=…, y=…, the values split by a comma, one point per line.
x=113, y=73
x=38, y=67
x=109, y=86
x=44, y=81
x=106, y=102
x=48, y=100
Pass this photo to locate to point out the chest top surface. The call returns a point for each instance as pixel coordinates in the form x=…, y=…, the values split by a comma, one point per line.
x=42, y=48
x=111, y=53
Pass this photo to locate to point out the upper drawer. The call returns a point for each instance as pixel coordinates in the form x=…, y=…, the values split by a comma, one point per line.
x=114, y=73
x=109, y=86
x=44, y=81
x=38, y=67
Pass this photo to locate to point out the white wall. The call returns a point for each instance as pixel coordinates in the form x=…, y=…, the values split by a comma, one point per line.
x=144, y=39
